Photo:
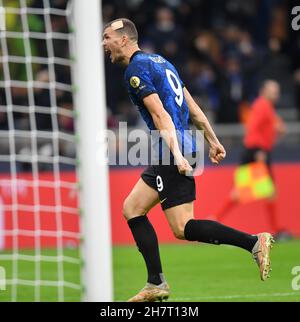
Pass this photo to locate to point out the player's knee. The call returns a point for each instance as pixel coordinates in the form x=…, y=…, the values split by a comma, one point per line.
x=178, y=231
x=127, y=209
x=132, y=209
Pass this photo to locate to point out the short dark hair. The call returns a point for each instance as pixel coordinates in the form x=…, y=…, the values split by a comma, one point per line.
x=128, y=28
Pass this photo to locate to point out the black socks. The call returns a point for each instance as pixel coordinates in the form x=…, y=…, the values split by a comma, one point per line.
x=212, y=232
x=147, y=243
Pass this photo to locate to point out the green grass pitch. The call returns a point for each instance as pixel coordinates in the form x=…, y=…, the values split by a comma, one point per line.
x=195, y=272
x=201, y=272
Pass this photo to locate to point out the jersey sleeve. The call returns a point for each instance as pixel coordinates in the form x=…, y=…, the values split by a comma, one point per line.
x=139, y=82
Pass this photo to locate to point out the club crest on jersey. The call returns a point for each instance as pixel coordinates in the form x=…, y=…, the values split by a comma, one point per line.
x=135, y=81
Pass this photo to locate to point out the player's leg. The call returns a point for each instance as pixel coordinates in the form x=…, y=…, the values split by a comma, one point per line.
x=140, y=200
x=179, y=192
x=184, y=226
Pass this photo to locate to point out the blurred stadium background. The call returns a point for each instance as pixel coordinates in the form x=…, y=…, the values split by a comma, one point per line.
x=223, y=50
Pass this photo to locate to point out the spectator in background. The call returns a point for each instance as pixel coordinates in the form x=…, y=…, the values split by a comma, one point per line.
x=205, y=86
x=203, y=70
x=65, y=116
x=167, y=36
x=232, y=45
x=20, y=99
x=227, y=42
x=230, y=37
x=3, y=121
x=297, y=90
x=3, y=114
x=231, y=91
x=293, y=49
x=252, y=58
x=42, y=99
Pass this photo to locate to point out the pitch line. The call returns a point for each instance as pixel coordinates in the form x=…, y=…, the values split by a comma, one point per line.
x=228, y=297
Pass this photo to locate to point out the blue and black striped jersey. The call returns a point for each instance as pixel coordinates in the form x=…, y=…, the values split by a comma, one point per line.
x=151, y=73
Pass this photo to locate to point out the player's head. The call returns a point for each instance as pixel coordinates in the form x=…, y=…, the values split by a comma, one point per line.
x=119, y=37
x=270, y=89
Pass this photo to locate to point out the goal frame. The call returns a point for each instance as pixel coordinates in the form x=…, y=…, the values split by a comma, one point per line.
x=92, y=170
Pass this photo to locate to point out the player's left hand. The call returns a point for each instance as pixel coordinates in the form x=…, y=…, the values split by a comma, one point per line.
x=217, y=153
x=183, y=166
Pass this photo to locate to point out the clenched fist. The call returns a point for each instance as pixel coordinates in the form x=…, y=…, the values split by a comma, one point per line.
x=217, y=153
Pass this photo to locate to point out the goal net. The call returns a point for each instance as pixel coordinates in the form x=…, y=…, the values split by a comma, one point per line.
x=40, y=257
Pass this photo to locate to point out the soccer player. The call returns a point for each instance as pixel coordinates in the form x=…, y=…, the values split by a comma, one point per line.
x=165, y=104
x=262, y=130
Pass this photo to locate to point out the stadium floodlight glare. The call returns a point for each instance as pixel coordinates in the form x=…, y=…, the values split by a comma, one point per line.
x=40, y=205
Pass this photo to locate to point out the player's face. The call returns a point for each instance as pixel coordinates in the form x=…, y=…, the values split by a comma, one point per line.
x=112, y=43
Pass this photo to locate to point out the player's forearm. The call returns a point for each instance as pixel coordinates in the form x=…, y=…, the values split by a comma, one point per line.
x=200, y=120
x=202, y=123
x=165, y=125
x=163, y=122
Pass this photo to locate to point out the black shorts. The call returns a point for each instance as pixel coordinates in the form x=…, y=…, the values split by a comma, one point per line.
x=174, y=189
x=248, y=156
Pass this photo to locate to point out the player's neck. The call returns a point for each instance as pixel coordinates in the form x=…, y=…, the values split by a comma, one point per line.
x=129, y=52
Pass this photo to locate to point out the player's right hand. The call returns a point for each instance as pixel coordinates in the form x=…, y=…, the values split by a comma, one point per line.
x=183, y=166
x=217, y=153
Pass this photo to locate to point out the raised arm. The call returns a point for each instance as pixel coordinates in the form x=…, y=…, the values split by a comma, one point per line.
x=163, y=122
x=216, y=152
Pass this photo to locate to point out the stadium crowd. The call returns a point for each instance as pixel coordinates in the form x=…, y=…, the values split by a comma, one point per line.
x=223, y=50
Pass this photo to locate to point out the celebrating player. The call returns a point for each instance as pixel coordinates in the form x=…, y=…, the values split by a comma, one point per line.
x=165, y=104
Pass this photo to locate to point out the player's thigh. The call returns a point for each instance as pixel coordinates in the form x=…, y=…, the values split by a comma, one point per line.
x=140, y=200
x=178, y=216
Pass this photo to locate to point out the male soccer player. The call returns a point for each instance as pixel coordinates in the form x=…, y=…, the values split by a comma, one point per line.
x=165, y=104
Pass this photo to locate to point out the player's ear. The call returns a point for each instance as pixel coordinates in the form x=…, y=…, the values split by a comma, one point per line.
x=125, y=40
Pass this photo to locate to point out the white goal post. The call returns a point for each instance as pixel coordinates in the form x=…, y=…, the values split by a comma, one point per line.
x=55, y=234
x=93, y=173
